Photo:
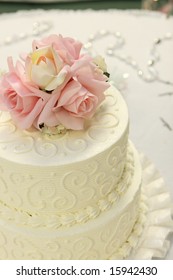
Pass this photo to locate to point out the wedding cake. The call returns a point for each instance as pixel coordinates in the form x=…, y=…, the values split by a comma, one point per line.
x=69, y=177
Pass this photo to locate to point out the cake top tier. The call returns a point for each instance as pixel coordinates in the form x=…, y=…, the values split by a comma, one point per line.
x=108, y=126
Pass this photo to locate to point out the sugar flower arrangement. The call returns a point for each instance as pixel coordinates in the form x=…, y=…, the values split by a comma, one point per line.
x=54, y=86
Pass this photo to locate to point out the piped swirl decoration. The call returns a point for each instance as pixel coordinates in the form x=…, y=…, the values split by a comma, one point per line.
x=46, y=220
x=55, y=87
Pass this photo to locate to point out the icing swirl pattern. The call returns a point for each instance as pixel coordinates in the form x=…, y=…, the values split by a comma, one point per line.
x=85, y=214
x=93, y=240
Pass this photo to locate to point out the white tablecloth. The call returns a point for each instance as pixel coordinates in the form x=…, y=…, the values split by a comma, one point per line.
x=147, y=106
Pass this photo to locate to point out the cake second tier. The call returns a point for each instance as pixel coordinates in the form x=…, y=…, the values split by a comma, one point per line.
x=106, y=233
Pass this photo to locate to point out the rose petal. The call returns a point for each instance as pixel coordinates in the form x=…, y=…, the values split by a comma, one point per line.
x=16, y=85
x=56, y=81
x=41, y=76
x=69, y=121
x=57, y=60
x=47, y=115
x=25, y=121
x=69, y=91
x=80, y=63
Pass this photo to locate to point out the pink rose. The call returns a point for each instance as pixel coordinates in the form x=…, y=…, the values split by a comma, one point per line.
x=20, y=100
x=71, y=108
x=78, y=100
x=74, y=105
x=90, y=77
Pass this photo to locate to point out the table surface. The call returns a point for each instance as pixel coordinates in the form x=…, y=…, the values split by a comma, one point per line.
x=150, y=104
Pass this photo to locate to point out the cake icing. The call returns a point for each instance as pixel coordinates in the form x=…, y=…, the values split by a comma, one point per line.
x=69, y=187
x=97, y=237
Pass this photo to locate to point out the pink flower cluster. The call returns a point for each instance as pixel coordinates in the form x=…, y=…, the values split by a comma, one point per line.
x=55, y=84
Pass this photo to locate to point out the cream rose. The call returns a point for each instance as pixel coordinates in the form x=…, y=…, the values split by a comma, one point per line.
x=45, y=68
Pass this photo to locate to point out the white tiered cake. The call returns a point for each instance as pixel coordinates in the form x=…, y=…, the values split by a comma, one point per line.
x=70, y=195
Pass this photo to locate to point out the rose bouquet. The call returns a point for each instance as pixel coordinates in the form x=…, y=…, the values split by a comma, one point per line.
x=54, y=85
